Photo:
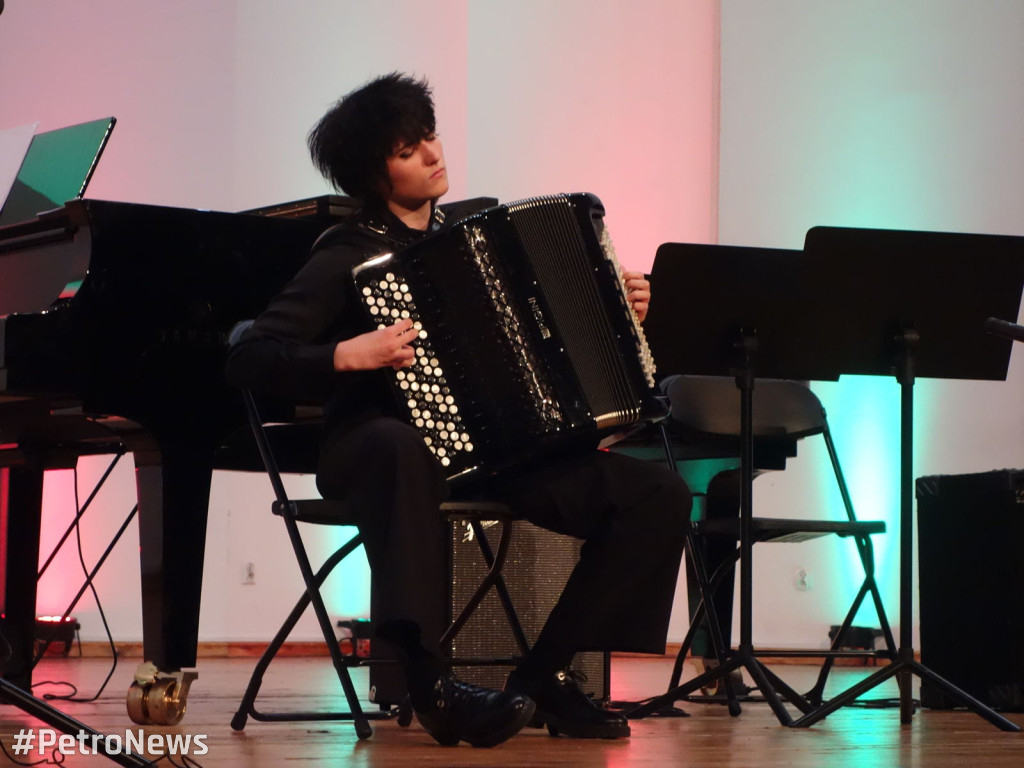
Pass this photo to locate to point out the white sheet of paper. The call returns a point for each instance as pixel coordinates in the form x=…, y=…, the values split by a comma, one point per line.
x=14, y=143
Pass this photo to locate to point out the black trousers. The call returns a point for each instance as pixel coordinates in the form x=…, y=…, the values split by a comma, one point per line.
x=631, y=514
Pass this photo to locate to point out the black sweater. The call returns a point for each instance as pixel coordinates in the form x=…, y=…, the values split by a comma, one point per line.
x=289, y=350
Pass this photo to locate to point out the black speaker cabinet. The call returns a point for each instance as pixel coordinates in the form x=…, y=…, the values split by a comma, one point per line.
x=538, y=566
x=971, y=578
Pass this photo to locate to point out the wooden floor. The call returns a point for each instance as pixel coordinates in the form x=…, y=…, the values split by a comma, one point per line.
x=854, y=736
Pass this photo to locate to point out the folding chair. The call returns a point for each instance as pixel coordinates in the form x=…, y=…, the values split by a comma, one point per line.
x=706, y=408
x=288, y=443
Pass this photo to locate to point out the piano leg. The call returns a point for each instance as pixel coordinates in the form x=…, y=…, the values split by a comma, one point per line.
x=21, y=498
x=174, y=493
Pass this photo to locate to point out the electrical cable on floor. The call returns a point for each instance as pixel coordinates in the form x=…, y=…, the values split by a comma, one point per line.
x=57, y=758
x=106, y=626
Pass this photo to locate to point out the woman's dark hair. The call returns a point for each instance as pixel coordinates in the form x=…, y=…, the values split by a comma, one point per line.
x=351, y=143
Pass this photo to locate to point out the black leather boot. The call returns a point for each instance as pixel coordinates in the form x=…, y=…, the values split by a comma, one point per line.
x=565, y=709
x=483, y=717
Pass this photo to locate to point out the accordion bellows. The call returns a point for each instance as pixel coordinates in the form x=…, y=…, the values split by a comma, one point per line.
x=527, y=344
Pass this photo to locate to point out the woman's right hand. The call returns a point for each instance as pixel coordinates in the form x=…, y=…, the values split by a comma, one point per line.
x=385, y=347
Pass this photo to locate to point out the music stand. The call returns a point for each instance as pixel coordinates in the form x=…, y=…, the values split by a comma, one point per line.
x=870, y=302
x=10, y=693
x=760, y=315
x=917, y=304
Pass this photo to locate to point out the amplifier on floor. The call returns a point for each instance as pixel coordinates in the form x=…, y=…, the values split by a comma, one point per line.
x=538, y=566
x=971, y=576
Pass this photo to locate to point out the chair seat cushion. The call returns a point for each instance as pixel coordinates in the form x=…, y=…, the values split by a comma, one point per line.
x=711, y=404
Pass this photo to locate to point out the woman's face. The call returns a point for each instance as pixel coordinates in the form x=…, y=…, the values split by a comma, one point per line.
x=417, y=173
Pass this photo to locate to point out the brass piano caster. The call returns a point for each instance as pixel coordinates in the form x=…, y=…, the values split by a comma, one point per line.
x=158, y=698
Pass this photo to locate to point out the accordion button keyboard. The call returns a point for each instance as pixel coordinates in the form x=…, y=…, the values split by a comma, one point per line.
x=431, y=407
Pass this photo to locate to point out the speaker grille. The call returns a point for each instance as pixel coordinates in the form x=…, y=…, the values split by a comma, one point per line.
x=538, y=566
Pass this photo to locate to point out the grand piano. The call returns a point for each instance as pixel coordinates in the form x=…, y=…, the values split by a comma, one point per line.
x=113, y=321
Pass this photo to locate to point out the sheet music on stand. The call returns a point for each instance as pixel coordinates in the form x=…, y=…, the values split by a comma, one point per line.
x=14, y=144
x=56, y=167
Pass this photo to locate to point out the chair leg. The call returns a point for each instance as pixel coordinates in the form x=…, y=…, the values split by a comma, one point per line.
x=493, y=579
x=864, y=546
x=705, y=610
x=816, y=694
x=865, y=549
x=247, y=707
x=360, y=721
x=662, y=705
x=311, y=596
x=876, y=597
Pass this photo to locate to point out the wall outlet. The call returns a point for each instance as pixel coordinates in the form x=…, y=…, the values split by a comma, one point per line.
x=802, y=580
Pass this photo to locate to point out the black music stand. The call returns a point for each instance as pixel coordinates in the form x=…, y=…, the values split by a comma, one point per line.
x=749, y=313
x=918, y=304
x=871, y=302
x=26, y=702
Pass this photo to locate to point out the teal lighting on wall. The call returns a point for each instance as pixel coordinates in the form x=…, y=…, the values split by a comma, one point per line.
x=347, y=592
x=864, y=416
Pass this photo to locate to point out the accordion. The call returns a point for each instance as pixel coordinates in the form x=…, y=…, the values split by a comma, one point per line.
x=526, y=345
